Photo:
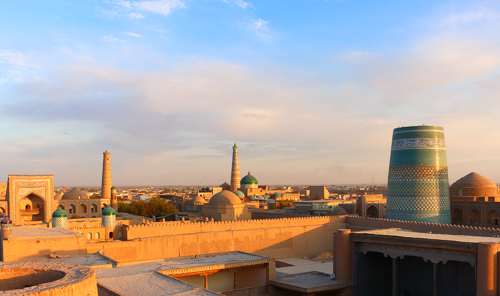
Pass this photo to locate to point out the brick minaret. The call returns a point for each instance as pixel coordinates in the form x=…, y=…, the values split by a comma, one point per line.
x=114, y=199
x=106, y=176
x=235, y=170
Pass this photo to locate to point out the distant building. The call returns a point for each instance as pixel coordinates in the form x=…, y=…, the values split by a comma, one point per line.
x=318, y=192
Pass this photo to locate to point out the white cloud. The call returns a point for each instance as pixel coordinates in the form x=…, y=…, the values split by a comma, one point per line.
x=132, y=34
x=13, y=58
x=162, y=7
x=135, y=15
x=239, y=3
x=465, y=18
x=111, y=38
x=261, y=28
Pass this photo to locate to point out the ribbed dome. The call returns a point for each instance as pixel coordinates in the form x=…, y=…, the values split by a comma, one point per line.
x=6, y=220
x=276, y=195
x=59, y=213
x=473, y=180
x=239, y=193
x=108, y=211
x=249, y=180
x=75, y=193
x=225, y=197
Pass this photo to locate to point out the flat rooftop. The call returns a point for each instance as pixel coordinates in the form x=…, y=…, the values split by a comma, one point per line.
x=309, y=282
x=91, y=260
x=34, y=233
x=396, y=232
x=149, y=278
x=302, y=265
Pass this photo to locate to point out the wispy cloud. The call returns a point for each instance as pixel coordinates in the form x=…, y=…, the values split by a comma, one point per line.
x=465, y=18
x=261, y=28
x=239, y=3
x=111, y=38
x=13, y=58
x=132, y=34
x=135, y=9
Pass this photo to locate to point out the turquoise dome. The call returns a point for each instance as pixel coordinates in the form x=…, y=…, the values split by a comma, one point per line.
x=252, y=197
x=239, y=193
x=249, y=180
x=258, y=197
x=265, y=197
x=59, y=213
x=276, y=195
x=108, y=211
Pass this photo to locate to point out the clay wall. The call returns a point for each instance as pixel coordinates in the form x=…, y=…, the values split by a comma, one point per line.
x=273, y=215
x=359, y=224
x=172, y=228
x=15, y=249
x=277, y=238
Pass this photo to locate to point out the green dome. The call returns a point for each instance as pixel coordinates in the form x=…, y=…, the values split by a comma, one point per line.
x=252, y=197
x=258, y=197
x=114, y=190
x=265, y=197
x=239, y=193
x=108, y=211
x=59, y=213
x=276, y=195
x=249, y=180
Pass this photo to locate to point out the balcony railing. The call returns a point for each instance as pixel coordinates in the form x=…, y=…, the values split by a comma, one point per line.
x=30, y=212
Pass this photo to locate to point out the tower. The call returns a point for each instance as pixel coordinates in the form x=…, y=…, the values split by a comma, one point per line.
x=418, y=176
x=235, y=170
x=108, y=222
x=114, y=198
x=106, y=176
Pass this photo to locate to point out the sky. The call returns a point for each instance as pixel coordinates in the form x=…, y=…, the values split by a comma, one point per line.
x=309, y=90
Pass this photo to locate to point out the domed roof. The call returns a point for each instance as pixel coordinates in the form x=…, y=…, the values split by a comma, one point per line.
x=59, y=213
x=249, y=180
x=2, y=215
x=75, y=193
x=108, y=211
x=6, y=220
x=265, y=197
x=58, y=196
x=239, y=193
x=225, y=184
x=251, y=197
x=225, y=197
x=199, y=199
x=114, y=190
x=258, y=197
x=473, y=180
x=276, y=195
x=339, y=211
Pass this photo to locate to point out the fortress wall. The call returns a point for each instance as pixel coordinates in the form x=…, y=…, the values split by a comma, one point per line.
x=169, y=228
x=15, y=249
x=273, y=215
x=279, y=242
x=360, y=223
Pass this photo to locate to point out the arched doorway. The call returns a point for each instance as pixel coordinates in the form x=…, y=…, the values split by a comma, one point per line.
x=457, y=216
x=32, y=208
x=492, y=218
x=71, y=209
x=474, y=217
x=82, y=208
x=372, y=212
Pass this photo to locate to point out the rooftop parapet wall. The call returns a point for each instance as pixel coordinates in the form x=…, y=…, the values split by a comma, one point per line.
x=358, y=223
x=169, y=228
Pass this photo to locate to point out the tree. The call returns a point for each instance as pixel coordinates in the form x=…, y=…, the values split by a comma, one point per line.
x=156, y=206
x=281, y=204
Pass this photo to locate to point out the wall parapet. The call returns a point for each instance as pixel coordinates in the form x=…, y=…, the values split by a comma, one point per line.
x=377, y=223
x=172, y=228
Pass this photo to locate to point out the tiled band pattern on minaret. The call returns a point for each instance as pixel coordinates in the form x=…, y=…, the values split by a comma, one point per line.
x=418, y=176
x=235, y=170
x=106, y=176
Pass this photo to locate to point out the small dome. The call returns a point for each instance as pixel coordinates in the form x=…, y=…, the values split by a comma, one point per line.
x=59, y=213
x=225, y=197
x=251, y=197
x=249, y=180
x=225, y=184
x=58, y=196
x=473, y=180
x=2, y=215
x=114, y=190
x=276, y=195
x=6, y=220
x=339, y=211
x=108, y=211
x=198, y=199
x=265, y=197
x=258, y=197
x=239, y=193
x=75, y=193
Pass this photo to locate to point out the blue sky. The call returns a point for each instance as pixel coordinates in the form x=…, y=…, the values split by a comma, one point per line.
x=310, y=90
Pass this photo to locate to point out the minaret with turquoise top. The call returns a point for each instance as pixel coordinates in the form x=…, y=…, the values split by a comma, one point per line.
x=418, y=187
x=235, y=170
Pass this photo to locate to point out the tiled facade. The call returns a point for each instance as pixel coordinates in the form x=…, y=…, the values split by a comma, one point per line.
x=418, y=176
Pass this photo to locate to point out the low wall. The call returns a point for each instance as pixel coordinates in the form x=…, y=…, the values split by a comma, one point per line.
x=14, y=249
x=359, y=224
x=276, y=238
x=251, y=291
x=271, y=215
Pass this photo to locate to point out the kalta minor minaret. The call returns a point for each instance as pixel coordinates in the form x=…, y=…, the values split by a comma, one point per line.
x=235, y=170
x=106, y=176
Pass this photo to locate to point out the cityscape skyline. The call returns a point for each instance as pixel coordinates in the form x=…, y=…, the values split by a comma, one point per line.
x=310, y=92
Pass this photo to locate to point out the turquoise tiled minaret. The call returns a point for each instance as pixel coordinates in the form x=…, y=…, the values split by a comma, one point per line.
x=418, y=176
